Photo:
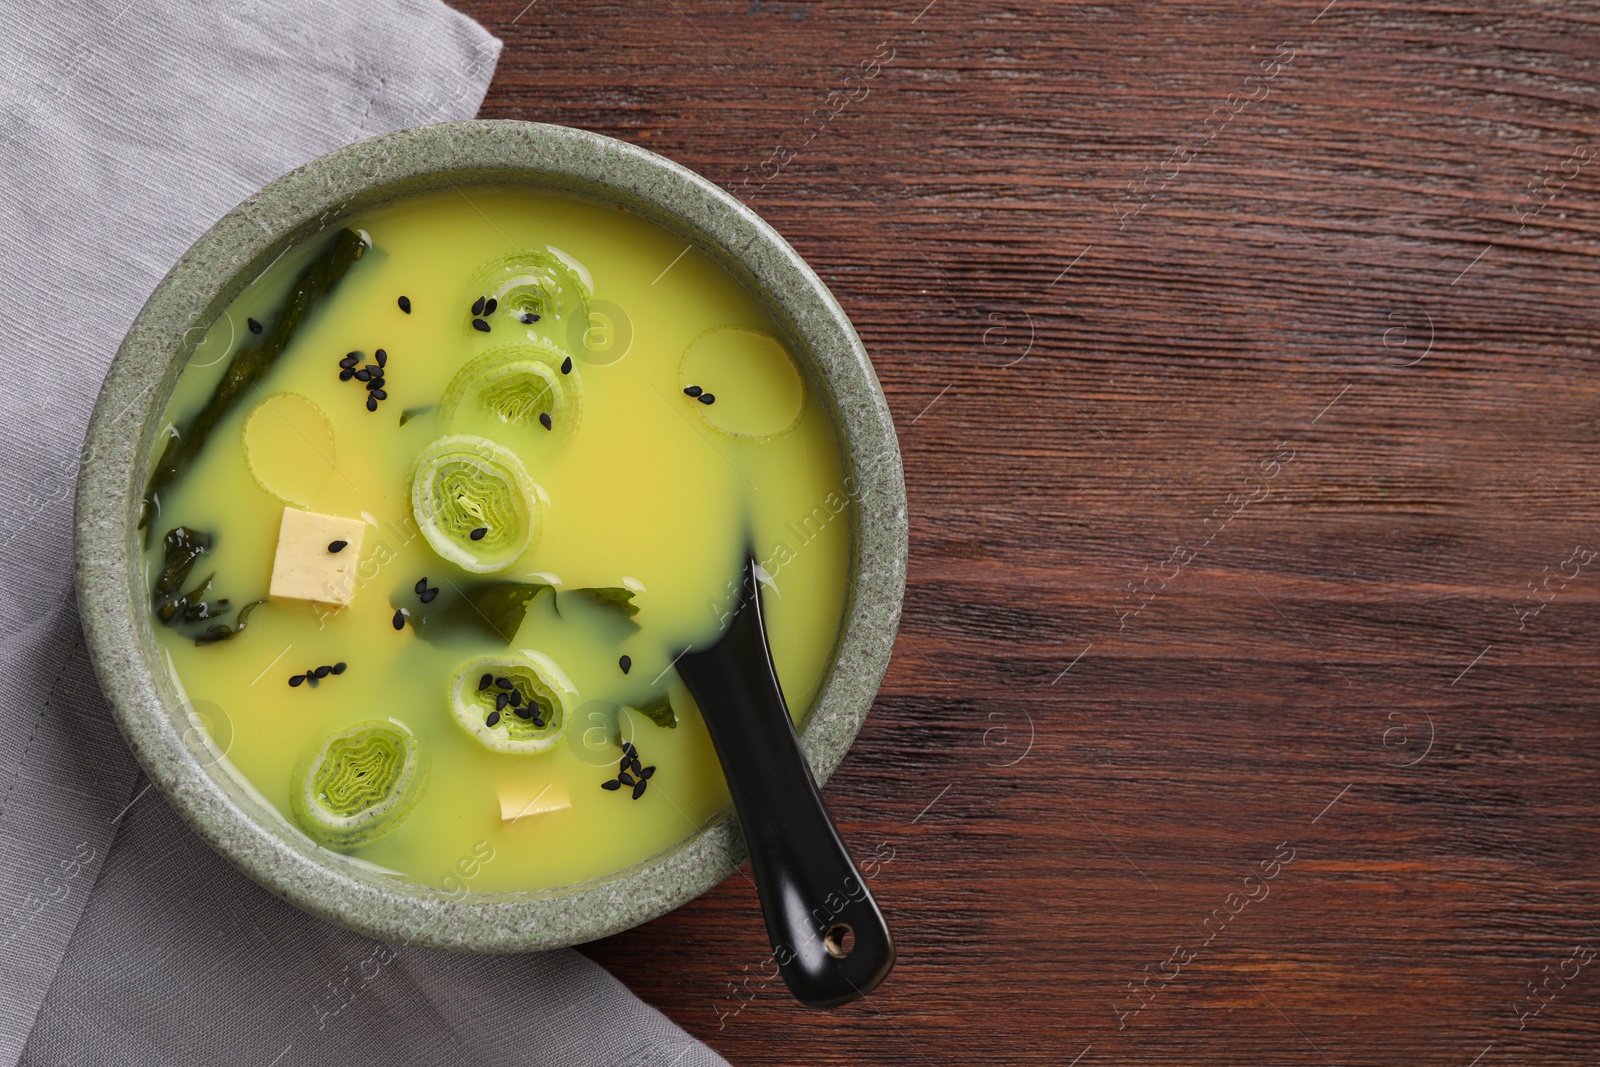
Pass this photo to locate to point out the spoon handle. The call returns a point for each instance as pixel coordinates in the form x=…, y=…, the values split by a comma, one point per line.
x=829, y=939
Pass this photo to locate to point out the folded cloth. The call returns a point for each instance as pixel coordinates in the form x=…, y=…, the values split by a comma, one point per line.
x=126, y=128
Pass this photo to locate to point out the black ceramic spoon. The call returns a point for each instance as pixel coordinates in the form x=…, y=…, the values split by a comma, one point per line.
x=828, y=937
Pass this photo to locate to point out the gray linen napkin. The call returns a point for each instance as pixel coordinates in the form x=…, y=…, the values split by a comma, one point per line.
x=126, y=128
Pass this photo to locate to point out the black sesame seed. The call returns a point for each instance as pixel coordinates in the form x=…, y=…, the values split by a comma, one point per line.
x=428, y=595
x=544, y=420
x=488, y=309
x=626, y=663
x=372, y=402
x=339, y=668
x=379, y=394
x=349, y=361
x=477, y=535
x=363, y=375
x=480, y=325
x=337, y=546
x=625, y=778
x=525, y=713
x=382, y=357
x=538, y=721
x=566, y=365
x=493, y=719
x=477, y=305
x=529, y=318
x=297, y=679
x=405, y=304
x=638, y=790
x=647, y=772
x=504, y=683
x=612, y=785
x=322, y=672
x=485, y=682
x=400, y=618
x=633, y=765
x=623, y=764
x=692, y=390
x=375, y=382
x=500, y=701
x=346, y=374
x=515, y=696
x=422, y=583
x=707, y=398
x=627, y=747
x=255, y=327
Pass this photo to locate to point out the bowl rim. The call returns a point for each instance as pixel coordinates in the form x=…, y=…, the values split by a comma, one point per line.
x=149, y=708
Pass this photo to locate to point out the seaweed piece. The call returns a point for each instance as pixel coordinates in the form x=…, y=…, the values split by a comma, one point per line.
x=183, y=547
x=251, y=362
x=611, y=596
x=491, y=609
x=222, y=631
x=410, y=413
x=191, y=605
x=205, y=609
x=659, y=711
x=499, y=607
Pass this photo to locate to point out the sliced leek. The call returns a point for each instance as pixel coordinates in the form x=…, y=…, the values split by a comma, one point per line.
x=519, y=388
x=474, y=502
x=517, y=703
x=359, y=784
x=536, y=293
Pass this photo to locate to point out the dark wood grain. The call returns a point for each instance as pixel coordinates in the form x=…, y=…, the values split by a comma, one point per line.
x=1346, y=271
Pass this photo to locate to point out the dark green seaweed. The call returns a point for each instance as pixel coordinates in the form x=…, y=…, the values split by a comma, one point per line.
x=659, y=711
x=611, y=597
x=251, y=362
x=410, y=413
x=183, y=548
x=222, y=631
x=191, y=605
x=490, y=609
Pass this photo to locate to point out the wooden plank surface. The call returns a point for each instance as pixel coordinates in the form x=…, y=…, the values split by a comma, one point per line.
x=1243, y=360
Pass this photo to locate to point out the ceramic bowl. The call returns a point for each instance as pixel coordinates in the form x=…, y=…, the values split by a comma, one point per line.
x=112, y=591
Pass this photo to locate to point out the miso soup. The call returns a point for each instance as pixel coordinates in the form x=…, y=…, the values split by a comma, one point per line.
x=445, y=492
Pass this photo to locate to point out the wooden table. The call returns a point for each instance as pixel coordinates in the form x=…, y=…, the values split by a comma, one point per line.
x=1243, y=360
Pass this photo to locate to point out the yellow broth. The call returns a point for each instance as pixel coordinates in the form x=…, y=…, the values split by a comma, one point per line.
x=650, y=489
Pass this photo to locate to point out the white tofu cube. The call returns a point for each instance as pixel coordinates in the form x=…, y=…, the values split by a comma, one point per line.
x=519, y=800
x=304, y=569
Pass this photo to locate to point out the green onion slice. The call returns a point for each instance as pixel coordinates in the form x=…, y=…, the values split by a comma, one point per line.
x=536, y=292
x=518, y=388
x=361, y=783
x=465, y=485
x=538, y=720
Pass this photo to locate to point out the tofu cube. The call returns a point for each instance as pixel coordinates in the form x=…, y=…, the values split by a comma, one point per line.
x=304, y=569
x=519, y=800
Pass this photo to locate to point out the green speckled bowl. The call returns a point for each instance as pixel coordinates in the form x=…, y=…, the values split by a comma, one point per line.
x=111, y=588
